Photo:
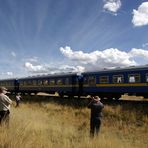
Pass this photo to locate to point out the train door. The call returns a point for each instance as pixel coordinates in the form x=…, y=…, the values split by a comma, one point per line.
x=80, y=85
x=73, y=84
x=16, y=86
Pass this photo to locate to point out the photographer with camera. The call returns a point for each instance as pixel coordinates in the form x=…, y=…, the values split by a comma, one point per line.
x=96, y=115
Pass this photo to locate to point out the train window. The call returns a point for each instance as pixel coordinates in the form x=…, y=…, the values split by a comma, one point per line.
x=104, y=79
x=34, y=82
x=45, y=82
x=134, y=78
x=59, y=82
x=7, y=83
x=76, y=80
x=85, y=80
x=52, y=82
x=24, y=82
x=21, y=83
x=29, y=82
x=92, y=80
x=118, y=79
x=40, y=82
x=146, y=77
x=4, y=84
x=66, y=81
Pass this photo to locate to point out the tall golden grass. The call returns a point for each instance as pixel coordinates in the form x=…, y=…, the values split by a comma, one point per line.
x=49, y=125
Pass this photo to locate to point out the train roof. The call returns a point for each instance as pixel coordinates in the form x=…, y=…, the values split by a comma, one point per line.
x=118, y=69
x=9, y=79
x=50, y=75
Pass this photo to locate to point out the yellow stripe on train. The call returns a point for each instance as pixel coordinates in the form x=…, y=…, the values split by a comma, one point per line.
x=122, y=84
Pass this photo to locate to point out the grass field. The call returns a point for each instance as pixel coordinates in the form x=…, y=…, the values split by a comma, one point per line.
x=51, y=125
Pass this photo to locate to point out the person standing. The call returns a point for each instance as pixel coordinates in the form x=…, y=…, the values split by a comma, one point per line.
x=5, y=102
x=96, y=115
x=18, y=99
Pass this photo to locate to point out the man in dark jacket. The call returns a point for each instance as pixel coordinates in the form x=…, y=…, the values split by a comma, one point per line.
x=96, y=114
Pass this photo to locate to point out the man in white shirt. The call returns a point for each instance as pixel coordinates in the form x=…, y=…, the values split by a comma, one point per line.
x=5, y=102
x=18, y=99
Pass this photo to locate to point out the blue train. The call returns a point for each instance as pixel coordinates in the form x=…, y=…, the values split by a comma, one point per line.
x=109, y=84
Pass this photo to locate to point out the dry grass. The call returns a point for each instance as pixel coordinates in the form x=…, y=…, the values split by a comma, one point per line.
x=48, y=125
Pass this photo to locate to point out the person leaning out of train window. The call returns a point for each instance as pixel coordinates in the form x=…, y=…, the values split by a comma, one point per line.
x=5, y=102
x=96, y=115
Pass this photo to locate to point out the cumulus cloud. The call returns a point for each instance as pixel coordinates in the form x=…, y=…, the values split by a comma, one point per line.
x=140, y=16
x=95, y=60
x=105, y=59
x=47, y=69
x=139, y=53
x=112, y=5
x=35, y=68
x=108, y=57
x=78, y=55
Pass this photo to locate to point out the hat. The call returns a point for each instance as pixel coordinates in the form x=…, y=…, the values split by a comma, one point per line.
x=96, y=98
x=2, y=89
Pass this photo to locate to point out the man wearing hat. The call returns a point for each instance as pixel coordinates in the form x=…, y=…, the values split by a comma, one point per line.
x=5, y=102
x=96, y=114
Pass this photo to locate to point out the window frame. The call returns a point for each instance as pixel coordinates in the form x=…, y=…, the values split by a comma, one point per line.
x=59, y=81
x=117, y=76
x=67, y=82
x=134, y=75
x=105, y=82
x=52, y=82
x=91, y=80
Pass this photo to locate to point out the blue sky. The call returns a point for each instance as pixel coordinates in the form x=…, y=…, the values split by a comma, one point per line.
x=48, y=36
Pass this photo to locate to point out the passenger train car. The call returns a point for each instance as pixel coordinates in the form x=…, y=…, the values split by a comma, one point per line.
x=116, y=82
x=107, y=84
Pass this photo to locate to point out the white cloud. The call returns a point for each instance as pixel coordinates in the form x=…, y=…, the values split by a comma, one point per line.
x=9, y=73
x=145, y=45
x=140, y=16
x=109, y=57
x=34, y=68
x=105, y=59
x=139, y=53
x=78, y=55
x=96, y=60
x=47, y=69
x=5, y=75
x=67, y=68
x=33, y=59
x=13, y=54
x=112, y=5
